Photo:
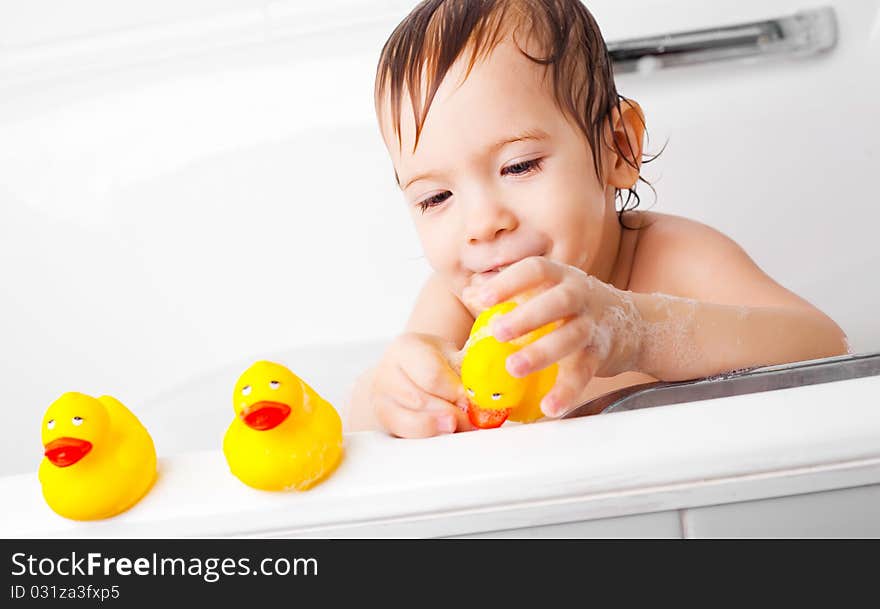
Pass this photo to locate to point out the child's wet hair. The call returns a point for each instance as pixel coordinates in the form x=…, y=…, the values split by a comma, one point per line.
x=426, y=44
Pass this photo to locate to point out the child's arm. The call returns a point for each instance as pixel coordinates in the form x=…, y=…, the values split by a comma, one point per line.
x=726, y=314
x=439, y=313
x=415, y=391
x=741, y=317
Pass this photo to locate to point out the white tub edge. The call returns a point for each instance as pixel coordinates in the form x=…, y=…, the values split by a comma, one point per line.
x=801, y=440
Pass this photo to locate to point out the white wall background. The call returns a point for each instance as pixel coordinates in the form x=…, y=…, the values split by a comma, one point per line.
x=189, y=185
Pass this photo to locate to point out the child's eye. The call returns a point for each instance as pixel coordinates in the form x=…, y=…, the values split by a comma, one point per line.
x=522, y=167
x=434, y=201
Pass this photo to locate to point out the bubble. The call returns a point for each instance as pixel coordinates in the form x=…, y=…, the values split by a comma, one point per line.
x=601, y=342
x=672, y=335
x=618, y=329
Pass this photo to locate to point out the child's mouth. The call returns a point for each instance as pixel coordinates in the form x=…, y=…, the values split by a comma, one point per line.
x=484, y=276
x=481, y=277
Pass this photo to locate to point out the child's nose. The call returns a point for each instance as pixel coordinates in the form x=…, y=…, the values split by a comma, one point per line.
x=487, y=219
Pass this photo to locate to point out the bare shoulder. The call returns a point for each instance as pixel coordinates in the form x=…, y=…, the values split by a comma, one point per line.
x=664, y=239
x=439, y=312
x=683, y=257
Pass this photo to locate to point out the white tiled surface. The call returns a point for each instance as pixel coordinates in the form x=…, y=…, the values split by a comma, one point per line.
x=852, y=512
x=665, y=525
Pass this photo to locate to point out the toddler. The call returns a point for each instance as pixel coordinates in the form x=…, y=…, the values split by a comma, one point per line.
x=512, y=149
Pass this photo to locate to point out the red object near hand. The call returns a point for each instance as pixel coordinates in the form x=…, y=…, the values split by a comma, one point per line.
x=486, y=419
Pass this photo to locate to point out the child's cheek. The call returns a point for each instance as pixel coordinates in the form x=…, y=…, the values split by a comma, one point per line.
x=440, y=252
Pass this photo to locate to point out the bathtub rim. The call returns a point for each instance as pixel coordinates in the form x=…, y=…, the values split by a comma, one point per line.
x=669, y=457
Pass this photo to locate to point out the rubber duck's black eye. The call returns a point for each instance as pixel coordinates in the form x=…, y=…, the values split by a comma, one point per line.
x=496, y=396
x=274, y=384
x=246, y=390
x=51, y=424
x=470, y=392
x=77, y=421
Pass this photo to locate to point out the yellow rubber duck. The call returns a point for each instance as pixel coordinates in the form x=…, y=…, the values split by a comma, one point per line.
x=99, y=459
x=493, y=394
x=284, y=435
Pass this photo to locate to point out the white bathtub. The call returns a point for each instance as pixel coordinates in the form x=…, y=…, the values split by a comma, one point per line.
x=188, y=189
x=795, y=462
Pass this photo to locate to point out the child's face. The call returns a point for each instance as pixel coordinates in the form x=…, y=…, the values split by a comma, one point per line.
x=500, y=173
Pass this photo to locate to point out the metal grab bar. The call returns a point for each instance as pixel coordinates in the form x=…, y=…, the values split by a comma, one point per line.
x=755, y=380
x=804, y=33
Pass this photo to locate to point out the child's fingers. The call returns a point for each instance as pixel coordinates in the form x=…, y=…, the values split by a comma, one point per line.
x=463, y=421
x=406, y=422
x=453, y=358
x=417, y=394
x=394, y=382
x=568, y=338
x=575, y=373
x=559, y=302
x=430, y=371
x=526, y=274
x=397, y=384
x=471, y=297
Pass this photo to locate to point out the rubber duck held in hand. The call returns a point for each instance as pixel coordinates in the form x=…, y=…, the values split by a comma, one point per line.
x=99, y=459
x=284, y=435
x=493, y=394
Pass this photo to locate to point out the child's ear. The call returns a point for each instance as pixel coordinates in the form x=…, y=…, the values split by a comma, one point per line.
x=627, y=125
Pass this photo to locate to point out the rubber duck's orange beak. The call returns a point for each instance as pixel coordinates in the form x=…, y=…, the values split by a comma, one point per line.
x=262, y=416
x=486, y=419
x=66, y=451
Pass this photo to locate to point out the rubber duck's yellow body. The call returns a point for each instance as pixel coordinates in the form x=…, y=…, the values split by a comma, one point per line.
x=494, y=395
x=99, y=459
x=284, y=435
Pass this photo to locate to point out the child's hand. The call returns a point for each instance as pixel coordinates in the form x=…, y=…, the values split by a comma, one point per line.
x=416, y=392
x=600, y=334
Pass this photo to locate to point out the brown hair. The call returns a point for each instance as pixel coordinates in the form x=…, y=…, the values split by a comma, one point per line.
x=425, y=45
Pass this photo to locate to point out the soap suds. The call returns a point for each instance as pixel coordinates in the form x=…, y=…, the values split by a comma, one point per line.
x=618, y=324
x=673, y=335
